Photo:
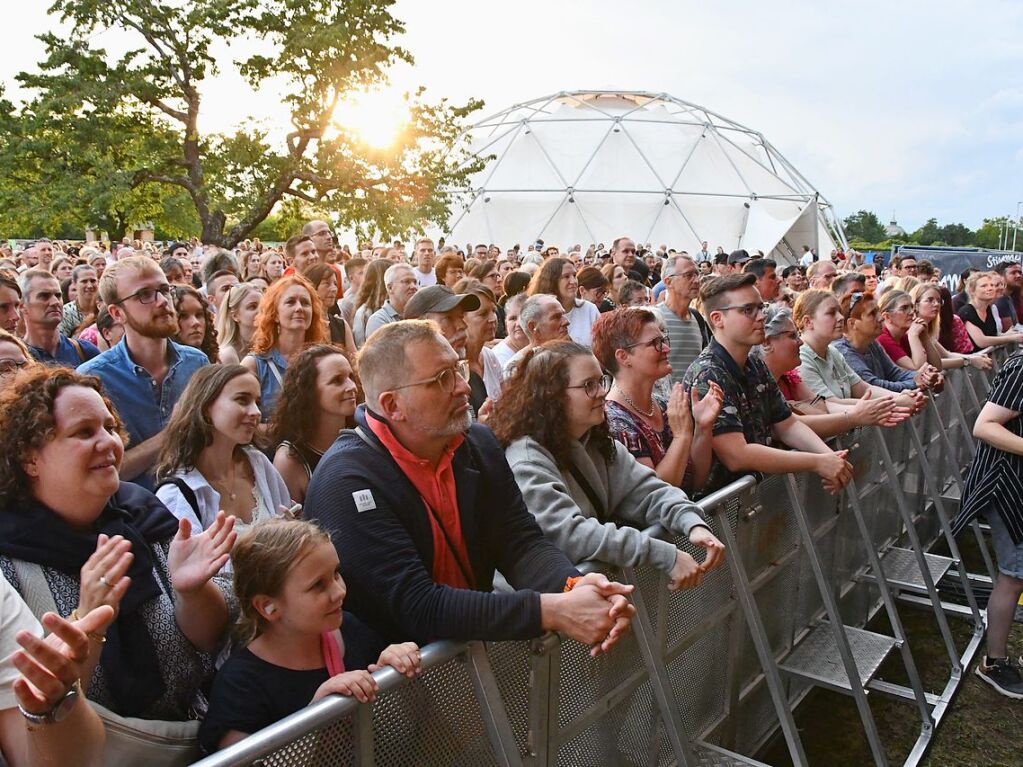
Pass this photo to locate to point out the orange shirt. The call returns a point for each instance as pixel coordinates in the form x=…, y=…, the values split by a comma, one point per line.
x=437, y=489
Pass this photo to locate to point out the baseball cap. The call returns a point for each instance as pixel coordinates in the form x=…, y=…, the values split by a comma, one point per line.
x=438, y=298
x=738, y=257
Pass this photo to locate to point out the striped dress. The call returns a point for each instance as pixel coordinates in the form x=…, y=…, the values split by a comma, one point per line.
x=994, y=482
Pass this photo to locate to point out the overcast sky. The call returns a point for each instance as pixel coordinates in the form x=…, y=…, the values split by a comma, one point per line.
x=910, y=106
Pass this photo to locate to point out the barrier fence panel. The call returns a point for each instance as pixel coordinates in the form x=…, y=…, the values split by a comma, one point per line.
x=698, y=679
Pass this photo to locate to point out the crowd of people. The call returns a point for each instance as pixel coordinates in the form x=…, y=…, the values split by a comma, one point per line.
x=237, y=481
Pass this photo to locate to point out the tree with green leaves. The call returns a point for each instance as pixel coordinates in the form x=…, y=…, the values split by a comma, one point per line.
x=864, y=226
x=128, y=123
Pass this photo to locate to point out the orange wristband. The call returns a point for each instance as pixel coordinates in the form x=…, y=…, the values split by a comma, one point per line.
x=570, y=582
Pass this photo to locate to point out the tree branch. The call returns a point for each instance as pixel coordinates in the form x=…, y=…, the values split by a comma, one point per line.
x=169, y=110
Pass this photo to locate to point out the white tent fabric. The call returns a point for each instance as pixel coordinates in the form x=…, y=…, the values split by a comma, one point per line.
x=588, y=166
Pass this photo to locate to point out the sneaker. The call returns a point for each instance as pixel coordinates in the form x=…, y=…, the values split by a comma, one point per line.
x=1004, y=676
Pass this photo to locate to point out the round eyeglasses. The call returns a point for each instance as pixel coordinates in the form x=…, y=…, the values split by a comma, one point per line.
x=595, y=387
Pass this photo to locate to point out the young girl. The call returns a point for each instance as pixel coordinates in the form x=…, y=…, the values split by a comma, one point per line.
x=291, y=651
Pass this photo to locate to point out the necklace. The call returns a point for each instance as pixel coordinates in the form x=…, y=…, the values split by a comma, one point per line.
x=634, y=406
x=231, y=483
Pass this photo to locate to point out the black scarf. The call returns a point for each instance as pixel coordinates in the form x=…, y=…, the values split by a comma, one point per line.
x=31, y=532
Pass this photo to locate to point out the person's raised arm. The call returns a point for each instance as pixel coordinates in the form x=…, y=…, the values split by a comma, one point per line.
x=984, y=341
x=199, y=607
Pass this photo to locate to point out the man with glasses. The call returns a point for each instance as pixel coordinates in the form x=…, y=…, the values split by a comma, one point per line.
x=423, y=509
x=323, y=240
x=754, y=415
x=145, y=374
x=687, y=330
x=821, y=274
x=43, y=310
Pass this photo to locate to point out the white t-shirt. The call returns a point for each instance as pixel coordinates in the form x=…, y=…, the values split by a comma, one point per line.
x=806, y=259
x=580, y=321
x=425, y=279
x=14, y=617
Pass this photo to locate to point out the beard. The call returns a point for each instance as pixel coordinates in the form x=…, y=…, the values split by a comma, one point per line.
x=455, y=425
x=159, y=326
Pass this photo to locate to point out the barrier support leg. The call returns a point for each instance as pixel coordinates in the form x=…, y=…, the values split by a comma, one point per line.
x=760, y=643
x=658, y=674
x=506, y=752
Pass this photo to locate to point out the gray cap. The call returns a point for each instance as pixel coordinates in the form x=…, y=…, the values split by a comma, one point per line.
x=438, y=298
x=738, y=257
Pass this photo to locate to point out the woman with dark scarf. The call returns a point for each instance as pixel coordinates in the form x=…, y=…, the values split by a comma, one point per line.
x=70, y=527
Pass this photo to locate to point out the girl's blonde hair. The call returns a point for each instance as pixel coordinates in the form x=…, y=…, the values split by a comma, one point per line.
x=262, y=558
x=973, y=279
x=917, y=295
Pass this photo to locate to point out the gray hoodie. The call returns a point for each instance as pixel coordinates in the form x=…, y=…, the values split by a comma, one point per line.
x=629, y=491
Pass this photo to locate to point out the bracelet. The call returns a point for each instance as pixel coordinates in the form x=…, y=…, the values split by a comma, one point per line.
x=74, y=616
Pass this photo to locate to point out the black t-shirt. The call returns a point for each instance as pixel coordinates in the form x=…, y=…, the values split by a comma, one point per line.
x=1007, y=310
x=640, y=272
x=477, y=391
x=250, y=694
x=969, y=314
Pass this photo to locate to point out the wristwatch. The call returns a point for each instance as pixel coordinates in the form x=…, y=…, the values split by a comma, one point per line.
x=60, y=709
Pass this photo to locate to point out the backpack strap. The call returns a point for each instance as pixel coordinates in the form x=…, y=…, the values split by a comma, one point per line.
x=591, y=494
x=186, y=492
x=78, y=348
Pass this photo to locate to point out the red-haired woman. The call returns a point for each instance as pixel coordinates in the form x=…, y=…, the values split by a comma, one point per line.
x=672, y=436
x=290, y=316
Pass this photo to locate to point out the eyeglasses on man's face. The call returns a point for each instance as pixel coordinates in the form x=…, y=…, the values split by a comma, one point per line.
x=445, y=380
x=751, y=311
x=658, y=344
x=595, y=387
x=147, y=295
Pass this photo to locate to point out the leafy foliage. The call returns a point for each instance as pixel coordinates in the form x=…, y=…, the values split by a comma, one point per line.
x=116, y=137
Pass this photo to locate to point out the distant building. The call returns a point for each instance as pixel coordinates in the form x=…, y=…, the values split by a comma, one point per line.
x=893, y=229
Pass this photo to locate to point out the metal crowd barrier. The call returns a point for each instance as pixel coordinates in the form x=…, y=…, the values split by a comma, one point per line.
x=707, y=676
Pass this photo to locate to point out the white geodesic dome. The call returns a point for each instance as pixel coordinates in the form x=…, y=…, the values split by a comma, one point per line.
x=588, y=166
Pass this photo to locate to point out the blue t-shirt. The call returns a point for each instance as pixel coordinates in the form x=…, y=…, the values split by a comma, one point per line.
x=67, y=354
x=144, y=405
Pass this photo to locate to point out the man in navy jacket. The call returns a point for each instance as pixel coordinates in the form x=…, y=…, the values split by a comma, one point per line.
x=423, y=508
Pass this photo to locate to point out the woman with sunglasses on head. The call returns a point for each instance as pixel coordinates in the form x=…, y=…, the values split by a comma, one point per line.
x=979, y=313
x=929, y=299
x=236, y=321
x=317, y=401
x=860, y=348
x=672, y=436
x=576, y=479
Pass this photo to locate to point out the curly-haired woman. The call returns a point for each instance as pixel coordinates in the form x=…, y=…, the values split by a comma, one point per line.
x=576, y=479
x=557, y=277
x=73, y=537
x=289, y=318
x=318, y=399
x=196, y=326
x=208, y=463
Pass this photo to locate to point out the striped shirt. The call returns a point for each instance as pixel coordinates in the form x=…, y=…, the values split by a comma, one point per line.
x=994, y=481
x=686, y=340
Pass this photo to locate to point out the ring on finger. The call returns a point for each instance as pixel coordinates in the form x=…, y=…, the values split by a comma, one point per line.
x=104, y=582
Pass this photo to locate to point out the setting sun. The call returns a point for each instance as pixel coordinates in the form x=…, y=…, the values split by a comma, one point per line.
x=376, y=118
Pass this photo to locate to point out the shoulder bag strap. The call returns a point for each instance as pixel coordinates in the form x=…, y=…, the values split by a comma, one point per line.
x=598, y=505
x=78, y=348
x=277, y=373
